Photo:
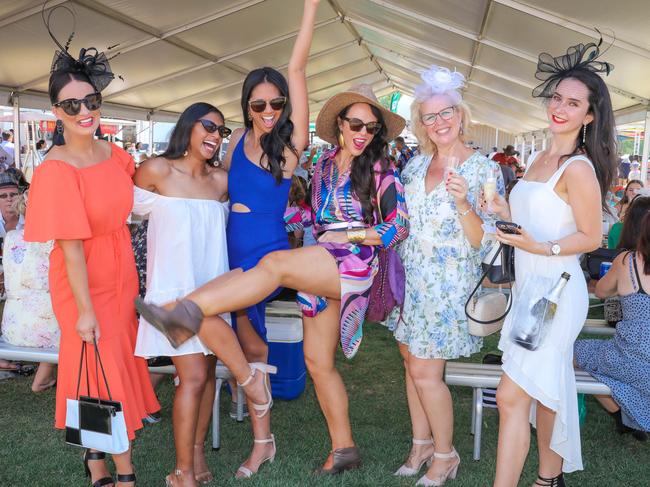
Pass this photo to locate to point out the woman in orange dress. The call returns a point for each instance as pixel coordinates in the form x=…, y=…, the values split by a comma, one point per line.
x=81, y=197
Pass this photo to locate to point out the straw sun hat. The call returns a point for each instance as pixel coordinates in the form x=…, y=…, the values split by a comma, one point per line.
x=326, y=123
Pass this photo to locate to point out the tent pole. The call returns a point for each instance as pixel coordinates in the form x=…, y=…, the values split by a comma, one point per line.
x=151, y=123
x=646, y=148
x=15, y=100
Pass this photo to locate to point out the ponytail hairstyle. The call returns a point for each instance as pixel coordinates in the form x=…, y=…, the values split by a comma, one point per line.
x=279, y=138
x=362, y=174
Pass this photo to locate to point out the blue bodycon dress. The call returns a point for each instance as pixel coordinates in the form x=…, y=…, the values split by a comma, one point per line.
x=254, y=234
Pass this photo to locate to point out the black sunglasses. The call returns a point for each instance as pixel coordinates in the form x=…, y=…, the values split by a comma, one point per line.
x=72, y=106
x=356, y=125
x=259, y=106
x=212, y=127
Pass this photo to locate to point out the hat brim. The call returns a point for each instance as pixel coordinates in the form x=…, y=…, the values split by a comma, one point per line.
x=326, y=123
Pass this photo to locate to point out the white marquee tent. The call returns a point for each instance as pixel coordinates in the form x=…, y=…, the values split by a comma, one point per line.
x=174, y=53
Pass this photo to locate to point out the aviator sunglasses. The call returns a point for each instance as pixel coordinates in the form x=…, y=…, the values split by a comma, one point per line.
x=72, y=106
x=356, y=125
x=259, y=106
x=212, y=127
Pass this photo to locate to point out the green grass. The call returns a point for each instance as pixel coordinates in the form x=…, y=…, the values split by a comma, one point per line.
x=32, y=453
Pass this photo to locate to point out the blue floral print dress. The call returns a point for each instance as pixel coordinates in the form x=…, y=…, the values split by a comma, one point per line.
x=441, y=266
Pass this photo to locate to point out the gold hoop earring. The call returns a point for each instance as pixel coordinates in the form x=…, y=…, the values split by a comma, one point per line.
x=341, y=141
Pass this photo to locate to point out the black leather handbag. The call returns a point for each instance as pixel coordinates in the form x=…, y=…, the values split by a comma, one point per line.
x=591, y=260
x=500, y=266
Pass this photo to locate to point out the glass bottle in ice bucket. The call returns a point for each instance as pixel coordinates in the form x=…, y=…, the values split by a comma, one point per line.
x=541, y=316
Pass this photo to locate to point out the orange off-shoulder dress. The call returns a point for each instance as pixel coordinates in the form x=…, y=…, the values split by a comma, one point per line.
x=92, y=204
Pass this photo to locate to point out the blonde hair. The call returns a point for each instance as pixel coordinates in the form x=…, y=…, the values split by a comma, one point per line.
x=19, y=205
x=427, y=146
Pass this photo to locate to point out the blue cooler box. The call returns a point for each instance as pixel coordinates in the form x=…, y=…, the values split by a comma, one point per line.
x=284, y=334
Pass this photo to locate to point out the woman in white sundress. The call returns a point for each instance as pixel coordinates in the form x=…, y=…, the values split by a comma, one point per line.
x=185, y=197
x=558, y=204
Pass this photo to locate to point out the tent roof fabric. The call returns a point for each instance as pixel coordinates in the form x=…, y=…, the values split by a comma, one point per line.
x=174, y=53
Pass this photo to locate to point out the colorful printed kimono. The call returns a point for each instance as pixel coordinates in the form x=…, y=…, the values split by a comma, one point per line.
x=333, y=203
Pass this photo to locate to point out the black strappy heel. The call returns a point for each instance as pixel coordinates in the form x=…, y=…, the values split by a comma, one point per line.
x=126, y=477
x=552, y=482
x=96, y=455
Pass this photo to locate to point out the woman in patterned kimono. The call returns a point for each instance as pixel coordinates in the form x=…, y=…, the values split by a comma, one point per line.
x=335, y=276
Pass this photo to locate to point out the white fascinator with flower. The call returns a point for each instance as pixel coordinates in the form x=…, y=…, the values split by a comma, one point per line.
x=438, y=80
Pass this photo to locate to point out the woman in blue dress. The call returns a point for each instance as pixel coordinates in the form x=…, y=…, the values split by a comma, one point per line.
x=260, y=161
x=623, y=362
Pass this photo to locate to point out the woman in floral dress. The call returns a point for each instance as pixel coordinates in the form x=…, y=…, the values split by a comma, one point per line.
x=442, y=260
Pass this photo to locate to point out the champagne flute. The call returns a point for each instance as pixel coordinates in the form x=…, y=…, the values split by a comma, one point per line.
x=490, y=185
x=451, y=164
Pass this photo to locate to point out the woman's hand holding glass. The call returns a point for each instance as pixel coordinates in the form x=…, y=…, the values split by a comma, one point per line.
x=498, y=206
x=458, y=188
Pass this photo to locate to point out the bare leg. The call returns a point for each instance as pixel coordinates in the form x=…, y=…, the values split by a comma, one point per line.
x=514, y=432
x=435, y=398
x=201, y=470
x=99, y=470
x=123, y=466
x=419, y=422
x=192, y=373
x=550, y=463
x=156, y=378
x=321, y=338
x=256, y=351
x=308, y=269
x=45, y=377
x=608, y=403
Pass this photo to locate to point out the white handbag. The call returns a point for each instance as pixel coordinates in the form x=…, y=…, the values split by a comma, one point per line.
x=92, y=422
x=487, y=310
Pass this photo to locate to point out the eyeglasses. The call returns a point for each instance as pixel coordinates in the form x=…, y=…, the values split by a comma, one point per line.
x=212, y=127
x=356, y=125
x=72, y=106
x=445, y=114
x=4, y=196
x=259, y=106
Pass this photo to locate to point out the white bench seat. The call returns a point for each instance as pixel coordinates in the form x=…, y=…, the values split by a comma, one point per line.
x=479, y=376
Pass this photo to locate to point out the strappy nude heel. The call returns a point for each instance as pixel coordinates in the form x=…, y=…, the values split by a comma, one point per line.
x=405, y=470
x=206, y=476
x=261, y=409
x=177, y=474
x=449, y=474
x=247, y=472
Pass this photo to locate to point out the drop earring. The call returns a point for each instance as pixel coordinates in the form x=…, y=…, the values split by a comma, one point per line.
x=584, y=133
x=341, y=141
x=185, y=154
x=461, y=131
x=59, y=127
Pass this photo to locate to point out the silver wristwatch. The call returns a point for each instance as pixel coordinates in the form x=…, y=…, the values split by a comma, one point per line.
x=555, y=249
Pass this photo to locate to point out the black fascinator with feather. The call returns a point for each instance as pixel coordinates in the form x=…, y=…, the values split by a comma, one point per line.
x=90, y=62
x=581, y=57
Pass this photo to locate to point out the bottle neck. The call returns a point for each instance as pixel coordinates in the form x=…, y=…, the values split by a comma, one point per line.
x=555, y=293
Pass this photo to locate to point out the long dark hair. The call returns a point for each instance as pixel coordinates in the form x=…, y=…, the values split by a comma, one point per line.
x=279, y=138
x=58, y=81
x=625, y=199
x=179, y=140
x=632, y=225
x=643, y=247
x=600, y=138
x=362, y=174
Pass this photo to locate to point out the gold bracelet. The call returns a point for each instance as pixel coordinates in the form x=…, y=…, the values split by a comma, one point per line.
x=356, y=235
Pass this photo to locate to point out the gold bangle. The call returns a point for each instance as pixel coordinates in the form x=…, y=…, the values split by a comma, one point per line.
x=356, y=235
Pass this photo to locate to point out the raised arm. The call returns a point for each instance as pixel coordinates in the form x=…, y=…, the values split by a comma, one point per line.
x=298, y=78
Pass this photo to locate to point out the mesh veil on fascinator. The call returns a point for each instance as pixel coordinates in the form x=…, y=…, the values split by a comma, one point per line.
x=438, y=80
x=581, y=57
x=91, y=62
